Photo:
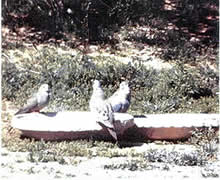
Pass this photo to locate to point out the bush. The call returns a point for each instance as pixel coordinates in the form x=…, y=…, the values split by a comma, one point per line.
x=87, y=19
x=71, y=80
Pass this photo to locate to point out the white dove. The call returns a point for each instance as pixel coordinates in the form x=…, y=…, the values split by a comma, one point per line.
x=121, y=99
x=38, y=100
x=102, y=109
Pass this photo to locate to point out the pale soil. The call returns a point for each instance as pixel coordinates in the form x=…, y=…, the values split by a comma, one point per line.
x=14, y=165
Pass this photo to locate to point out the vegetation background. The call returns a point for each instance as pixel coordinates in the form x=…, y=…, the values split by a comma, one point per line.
x=182, y=33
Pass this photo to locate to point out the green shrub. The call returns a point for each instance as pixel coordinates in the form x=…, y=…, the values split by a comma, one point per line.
x=71, y=79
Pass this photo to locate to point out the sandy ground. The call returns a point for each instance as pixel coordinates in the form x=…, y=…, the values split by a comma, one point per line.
x=14, y=165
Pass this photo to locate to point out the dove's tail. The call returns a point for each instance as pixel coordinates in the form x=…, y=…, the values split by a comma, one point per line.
x=111, y=130
x=23, y=111
x=112, y=133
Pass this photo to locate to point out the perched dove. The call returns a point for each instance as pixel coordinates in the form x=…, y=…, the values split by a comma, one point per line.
x=120, y=100
x=102, y=108
x=38, y=101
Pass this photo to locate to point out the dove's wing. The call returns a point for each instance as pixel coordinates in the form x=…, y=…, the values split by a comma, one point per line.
x=38, y=101
x=125, y=103
x=30, y=106
x=117, y=107
x=119, y=102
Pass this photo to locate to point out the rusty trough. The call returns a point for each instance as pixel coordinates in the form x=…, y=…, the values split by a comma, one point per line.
x=58, y=126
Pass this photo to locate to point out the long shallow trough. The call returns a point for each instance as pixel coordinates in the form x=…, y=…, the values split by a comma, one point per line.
x=83, y=125
x=174, y=126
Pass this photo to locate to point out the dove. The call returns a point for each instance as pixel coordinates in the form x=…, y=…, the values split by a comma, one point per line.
x=37, y=101
x=120, y=100
x=102, y=108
